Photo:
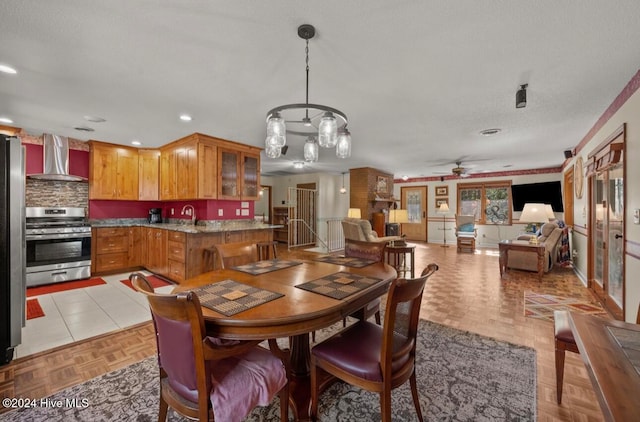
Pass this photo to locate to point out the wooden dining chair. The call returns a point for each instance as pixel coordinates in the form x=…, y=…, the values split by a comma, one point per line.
x=564, y=341
x=376, y=358
x=206, y=378
x=373, y=251
x=239, y=253
x=267, y=250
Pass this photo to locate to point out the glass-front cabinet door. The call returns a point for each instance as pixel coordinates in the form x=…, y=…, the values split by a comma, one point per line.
x=250, y=176
x=228, y=174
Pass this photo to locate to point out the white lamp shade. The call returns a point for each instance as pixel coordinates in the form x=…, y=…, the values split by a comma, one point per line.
x=534, y=213
x=354, y=213
x=549, y=210
x=398, y=216
x=444, y=208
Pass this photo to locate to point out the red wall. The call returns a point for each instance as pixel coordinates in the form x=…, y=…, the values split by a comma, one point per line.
x=78, y=161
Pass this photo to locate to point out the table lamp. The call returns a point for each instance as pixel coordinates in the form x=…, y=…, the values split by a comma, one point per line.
x=444, y=210
x=396, y=217
x=549, y=210
x=354, y=213
x=534, y=213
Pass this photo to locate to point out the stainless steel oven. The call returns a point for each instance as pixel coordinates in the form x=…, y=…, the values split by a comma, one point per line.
x=58, y=245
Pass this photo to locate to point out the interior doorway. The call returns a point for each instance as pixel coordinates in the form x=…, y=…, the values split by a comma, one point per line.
x=607, y=228
x=414, y=200
x=262, y=209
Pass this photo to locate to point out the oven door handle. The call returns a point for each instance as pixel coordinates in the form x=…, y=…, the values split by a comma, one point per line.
x=55, y=236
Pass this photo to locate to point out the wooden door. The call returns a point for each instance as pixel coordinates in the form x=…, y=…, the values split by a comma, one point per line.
x=102, y=173
x=148, y=168
x=207, y=176
x=414, y=200
x=127, y=174
x=568, y=197
x=607, y=228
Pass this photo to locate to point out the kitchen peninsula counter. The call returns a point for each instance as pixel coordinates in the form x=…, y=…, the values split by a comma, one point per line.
x=175, y=251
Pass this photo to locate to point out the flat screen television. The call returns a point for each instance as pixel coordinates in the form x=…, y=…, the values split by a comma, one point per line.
x=545, y=193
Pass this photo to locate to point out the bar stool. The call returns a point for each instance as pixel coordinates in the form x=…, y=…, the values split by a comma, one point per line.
x=267, y=250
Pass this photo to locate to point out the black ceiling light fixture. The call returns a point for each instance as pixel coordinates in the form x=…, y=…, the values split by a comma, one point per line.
x=521, y=96
x=307, y=120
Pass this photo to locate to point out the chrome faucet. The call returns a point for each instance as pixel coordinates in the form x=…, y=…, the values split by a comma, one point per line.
x=189, y=210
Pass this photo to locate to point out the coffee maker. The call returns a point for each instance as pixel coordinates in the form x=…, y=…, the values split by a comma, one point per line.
x=155, y=215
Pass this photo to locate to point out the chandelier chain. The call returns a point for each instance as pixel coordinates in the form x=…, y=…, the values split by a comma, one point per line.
x=306, y=51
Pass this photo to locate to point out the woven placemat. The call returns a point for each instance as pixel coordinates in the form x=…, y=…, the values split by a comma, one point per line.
x=261, y=267
x=339, y=285
x=347, y=261
x=229, y=297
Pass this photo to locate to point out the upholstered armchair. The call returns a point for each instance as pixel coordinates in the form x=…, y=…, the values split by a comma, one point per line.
x=550, y=235
x=358, y=229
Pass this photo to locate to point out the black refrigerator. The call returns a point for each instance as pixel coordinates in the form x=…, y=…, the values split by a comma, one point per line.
x=12, y=252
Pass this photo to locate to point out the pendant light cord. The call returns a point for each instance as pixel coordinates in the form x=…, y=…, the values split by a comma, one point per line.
x=306, y=51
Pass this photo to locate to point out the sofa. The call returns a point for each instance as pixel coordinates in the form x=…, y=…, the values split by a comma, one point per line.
x=358, y=229
x=549, y=236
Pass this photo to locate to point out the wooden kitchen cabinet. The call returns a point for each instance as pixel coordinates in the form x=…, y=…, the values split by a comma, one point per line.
x=111, y=249
x=156, y=251
x=148, y=174
x=137, y=247
x=187, y=168
x=238, y=174
x=176, y=255
x=113, y=171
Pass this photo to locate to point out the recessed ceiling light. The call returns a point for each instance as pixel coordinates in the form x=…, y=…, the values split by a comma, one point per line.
x=5, y=120
x=490, y=132
x=84, y=129
x=7, y=69
x=136, y=142
x=94, y=119
x=185, y=118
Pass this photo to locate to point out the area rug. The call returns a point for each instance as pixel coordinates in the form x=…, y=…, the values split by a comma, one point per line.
x=61, y=287
x=461, y=377
x=154, y=280
x=542, y=306
x=34, y=310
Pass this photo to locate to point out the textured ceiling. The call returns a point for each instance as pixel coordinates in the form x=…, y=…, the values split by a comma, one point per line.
x=418, y=80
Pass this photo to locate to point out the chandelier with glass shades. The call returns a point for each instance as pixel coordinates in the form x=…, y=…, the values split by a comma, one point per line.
x=321, y=125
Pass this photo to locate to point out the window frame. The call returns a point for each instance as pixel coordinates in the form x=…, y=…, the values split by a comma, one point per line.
x=483, y=186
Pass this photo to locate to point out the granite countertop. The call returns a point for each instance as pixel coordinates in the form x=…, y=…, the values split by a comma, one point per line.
x=201, y=227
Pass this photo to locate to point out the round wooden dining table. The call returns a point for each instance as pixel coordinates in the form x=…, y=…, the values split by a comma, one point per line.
x=294, y=315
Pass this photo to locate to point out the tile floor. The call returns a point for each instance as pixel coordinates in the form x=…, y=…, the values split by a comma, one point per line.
x=77, y=314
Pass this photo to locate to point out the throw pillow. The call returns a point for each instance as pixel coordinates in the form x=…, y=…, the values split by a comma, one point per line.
x=467, y=228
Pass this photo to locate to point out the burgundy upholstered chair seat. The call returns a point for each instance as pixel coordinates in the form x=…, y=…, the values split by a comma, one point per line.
x=357, y=350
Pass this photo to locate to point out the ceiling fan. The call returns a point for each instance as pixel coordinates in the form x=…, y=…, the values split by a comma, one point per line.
x=458, y=170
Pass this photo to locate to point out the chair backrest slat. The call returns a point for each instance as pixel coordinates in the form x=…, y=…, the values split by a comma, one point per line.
x=239, y=253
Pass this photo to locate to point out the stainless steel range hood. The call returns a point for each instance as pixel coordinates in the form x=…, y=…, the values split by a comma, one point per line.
x=56, y=160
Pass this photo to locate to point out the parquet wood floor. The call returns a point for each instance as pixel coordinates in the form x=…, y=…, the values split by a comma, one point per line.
x=466, y=293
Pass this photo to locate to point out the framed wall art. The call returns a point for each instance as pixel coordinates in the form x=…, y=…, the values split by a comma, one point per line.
x=382, y=185
x=440, y=201
x=442, y=191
